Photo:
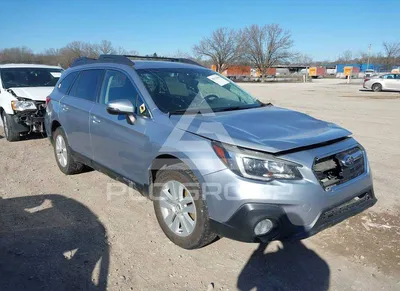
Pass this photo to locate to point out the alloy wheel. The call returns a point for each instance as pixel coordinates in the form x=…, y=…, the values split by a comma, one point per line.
x=61, y=151
x=177, y=208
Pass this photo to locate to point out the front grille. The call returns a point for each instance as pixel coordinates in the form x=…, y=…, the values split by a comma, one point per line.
x=339, y=168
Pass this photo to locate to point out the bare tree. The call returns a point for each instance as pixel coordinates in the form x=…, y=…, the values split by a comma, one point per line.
x=267, y=46
x=346, y=57
x=17, y=55
x=223, y=47
x=105, y=47
x=392, y=53
x=302, y=59
x=121, y=51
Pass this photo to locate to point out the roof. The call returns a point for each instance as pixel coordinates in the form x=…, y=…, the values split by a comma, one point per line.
x=2, y=66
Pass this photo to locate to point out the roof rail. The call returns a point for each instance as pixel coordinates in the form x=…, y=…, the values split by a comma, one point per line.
x=119, y=59
x=127, y=60
x=168, y=59
x=82, y=61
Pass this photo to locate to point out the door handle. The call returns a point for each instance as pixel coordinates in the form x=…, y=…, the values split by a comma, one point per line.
x=95, y=119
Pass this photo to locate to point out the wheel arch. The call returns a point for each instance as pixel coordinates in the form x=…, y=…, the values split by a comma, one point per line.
x=377, y=83
x=164, y=160
x=54, y=125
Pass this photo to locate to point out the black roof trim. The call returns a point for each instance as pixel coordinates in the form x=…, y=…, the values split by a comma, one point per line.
x=83, y=61
x=128, y=60
x=167, y=59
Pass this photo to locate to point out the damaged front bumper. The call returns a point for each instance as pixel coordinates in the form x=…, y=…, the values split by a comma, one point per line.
x=30, y=121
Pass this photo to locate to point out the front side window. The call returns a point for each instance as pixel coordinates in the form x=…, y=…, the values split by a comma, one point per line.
x=117, y=86
x=389, y=76
x=29, y=77
x=177, y=90
x=87, y=84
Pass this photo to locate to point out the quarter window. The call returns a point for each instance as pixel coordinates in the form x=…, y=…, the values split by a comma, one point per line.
x=87, y=85
x=67, y=82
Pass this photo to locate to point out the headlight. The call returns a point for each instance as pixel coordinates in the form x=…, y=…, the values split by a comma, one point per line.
x=256, y=165
x=23, y=105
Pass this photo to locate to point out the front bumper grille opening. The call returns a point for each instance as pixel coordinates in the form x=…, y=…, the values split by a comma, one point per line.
x=339, y=168
x=345, y=207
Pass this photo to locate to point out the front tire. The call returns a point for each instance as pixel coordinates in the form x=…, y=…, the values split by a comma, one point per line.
x=377, y=87
x=180, y=208
x=62, y=152
x=9, y=133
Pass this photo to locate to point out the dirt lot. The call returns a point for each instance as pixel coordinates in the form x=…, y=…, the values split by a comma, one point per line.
x=64, y=233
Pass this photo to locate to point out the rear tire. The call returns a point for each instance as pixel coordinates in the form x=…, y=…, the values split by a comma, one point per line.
x=9, y=133
x=377, y=87
x=196, y=220
x=62, y=153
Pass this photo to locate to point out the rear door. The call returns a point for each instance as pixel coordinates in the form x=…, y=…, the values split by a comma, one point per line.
x=118, y=145
x=75, y=108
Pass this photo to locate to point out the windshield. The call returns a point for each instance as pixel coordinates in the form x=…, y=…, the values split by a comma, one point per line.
x=29, y=77
x=177, y=90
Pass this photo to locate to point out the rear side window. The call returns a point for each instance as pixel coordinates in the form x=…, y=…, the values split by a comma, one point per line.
x=116, y=86
x=66, y=83
x=87, y=85
x=398, y=76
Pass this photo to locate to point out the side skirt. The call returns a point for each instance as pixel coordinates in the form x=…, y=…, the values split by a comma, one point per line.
x=143, y=189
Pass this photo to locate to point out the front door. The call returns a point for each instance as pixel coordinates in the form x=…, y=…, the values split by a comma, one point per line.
x=390, y=82
x=75, y=108
x=118, y=145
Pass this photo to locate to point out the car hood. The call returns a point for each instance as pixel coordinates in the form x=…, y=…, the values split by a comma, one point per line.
x=270, y=129
x=33, y=93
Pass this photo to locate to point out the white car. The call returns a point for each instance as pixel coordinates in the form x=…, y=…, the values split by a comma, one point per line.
x=386, y=82
x=23, y=92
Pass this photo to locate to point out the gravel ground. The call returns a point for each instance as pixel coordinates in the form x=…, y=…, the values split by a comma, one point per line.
x=63, y=233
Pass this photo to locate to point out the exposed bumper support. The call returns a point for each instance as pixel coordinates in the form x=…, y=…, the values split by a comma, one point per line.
x=28, y=121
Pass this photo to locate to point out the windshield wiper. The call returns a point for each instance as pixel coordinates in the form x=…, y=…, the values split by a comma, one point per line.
x=209, y=110
x=190, y=111
x=233, y=108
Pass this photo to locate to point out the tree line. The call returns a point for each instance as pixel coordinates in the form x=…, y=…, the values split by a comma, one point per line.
x=63, y=56
x=389, y=56
x=259, y=46
x=269, y=45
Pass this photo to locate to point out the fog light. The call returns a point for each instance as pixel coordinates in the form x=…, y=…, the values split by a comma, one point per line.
x=263, y=227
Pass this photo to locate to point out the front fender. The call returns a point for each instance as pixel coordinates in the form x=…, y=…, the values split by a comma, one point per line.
x=5, y=102
x=195, y=151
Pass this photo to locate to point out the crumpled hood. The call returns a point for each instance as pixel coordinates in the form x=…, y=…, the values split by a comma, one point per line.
x=270, y=129
x=34, y=93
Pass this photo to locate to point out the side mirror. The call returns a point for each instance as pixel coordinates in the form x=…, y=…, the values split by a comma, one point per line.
x=122, y=107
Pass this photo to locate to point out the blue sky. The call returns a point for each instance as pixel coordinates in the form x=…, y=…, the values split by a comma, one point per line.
x=321, y=28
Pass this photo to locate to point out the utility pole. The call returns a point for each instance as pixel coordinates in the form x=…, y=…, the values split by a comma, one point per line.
x=369, y=55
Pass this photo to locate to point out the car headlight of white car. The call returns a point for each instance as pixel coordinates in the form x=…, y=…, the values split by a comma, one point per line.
x=23, y=105
x=256, y=165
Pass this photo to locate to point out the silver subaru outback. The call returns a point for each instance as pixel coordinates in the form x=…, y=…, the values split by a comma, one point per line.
x=214, y=160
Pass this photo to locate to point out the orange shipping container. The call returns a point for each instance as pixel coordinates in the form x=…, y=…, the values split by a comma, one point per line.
x=238, y=71
x=270, y=72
